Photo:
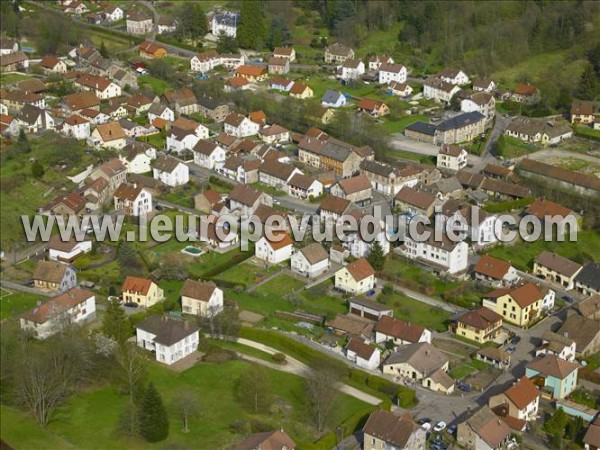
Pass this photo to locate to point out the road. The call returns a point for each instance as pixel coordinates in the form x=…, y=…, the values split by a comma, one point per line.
x=556, y=153
x=500, y=124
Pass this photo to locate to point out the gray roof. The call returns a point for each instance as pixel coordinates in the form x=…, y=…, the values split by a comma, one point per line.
x=460, y=121
x=167, y=331
x=166, y=163
x=314, y=253
x=339, y=151
x=422, y=356
x=331, y=96
x=422, y=127
x=589, y=276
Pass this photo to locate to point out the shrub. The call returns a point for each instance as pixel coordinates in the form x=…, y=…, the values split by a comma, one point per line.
x=279, y=358
x=217, y=355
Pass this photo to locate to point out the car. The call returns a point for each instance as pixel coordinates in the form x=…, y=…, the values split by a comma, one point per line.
x=424, y=420
x=452, y=429
x=113, y=298
x=440, y=426
x=511, y=349
x=515, y=340
x=568, y=298
x=159, y=208
x=464, y=387
x=131, y=305
x=426, y=426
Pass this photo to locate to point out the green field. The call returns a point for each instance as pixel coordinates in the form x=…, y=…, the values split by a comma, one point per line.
x=398, y=125
x=156, y=84
x=13, y=304
x=246, y=274
x=9, y=78
x=213, y=385
x=514, y=148
x=414, y=311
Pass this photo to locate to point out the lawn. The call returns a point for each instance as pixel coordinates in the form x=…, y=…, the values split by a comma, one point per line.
x=587, y=132
x=398, y=126
x=462, y=371
x=9, y=78
x=157, y=140
x=513, y=148
x=158, y=86
x=587, y=247
x=411, y=310
x=246, y=274
x=15, y=303
x=213, y=427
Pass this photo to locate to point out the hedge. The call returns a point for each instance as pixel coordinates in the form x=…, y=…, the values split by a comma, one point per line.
x=227, y=265
x=508, y=205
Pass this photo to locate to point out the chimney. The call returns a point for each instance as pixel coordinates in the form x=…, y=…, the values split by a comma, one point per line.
x=427, y=353
x=566, y=334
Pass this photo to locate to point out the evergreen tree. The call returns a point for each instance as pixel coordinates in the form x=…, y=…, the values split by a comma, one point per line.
x=251, y=30
x=588, y=84
x=115, y=324
x=226, y=44
x=23, y=142
x=376, y=257
x=103, y=50
x=154, y=422
x=192, y=21
x=279, y=33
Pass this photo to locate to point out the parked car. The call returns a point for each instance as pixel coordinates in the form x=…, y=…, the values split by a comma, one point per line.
x=440, y=426
x=452, y=429
x=511, y=349
x=426, y=426
x=131, y=305
x=515, y=340
x=568, y=298
x=464, y=387
x=424, y=420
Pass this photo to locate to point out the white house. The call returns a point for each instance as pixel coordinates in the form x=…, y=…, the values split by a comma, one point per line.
x=201, y=298
x=179, y=140
x=205, y=61
x=276, y=251
x=225, y=22
x=170, y=339
x=8, y=46
x=392, y=72
x=73, y=306
x=442, y=255
x=519, y=401
x=33, y=119
x=376, y=61
x=454, y=76
x=77, y=127
x=400, y=89
x=399, y=332
x=352, y=69
x=137, y=157
x=113, y=13
x=158, y=110
x=439, y=90
x=560, y=345
x=333, y=99
x=304, y=187
x=478, y=224
x=102, y=86
x=481, y=102
x=356, y=278
x=310, y=261
x=277, y=174
x=452, y=157
x=54, y=276
x=67, y=251
x=484, y=85
x=240, y=126
x=133, y=200
x=171, y=171
x=364, y=355
x=208, y=154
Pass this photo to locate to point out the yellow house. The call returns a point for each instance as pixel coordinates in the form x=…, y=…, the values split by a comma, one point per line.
x=201, y=298
x=481, y=325
x=520, y=306
x=141, y=291
x=302, y=91
x=356, y=278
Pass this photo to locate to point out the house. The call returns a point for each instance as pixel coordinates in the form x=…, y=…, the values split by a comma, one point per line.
x=160, y=111
x=301, y=91
x=268, y=440
x=421, y=362
x=71, y=204
x=454, y=76
x=77, y=127
x=141, y=291
x=252, y=74
x=94, y=116
x=520, y=401
x=32, y=85
x=218, y=236
x=225, y=22
x=421, y=131
x=494, y=271
x=558, y=345
x=244, y=170
x=281, y=84
x=481, y=102
x=461, y=128
x=364, y=355
x=333, y=99
x=137, y=157
x=439, y=90
x=387, y=430
x=397, y=332
x=441, y=255
x=481, y=325
x=521, y=305
x=582, y=113
x=207, y=200
x=133, y=200
x=310, y=261
x=113, y=171
x=51, y=64
x=205, y=61
x=589, y=307
x=108, y=135
x=276, y=250
x=231, y=61
x=356, y=189
x=356, y=278
x=234, y=84
x=400, y=89
x=114, y=13
x=276, y=174
x=12, y=62
x=8, y=46
x=588, y=280
x=471, y=219
x=388, y=179
x=555, y=268
x=585, y=332
x=54, y=276
x=389, y=73
x=67, y=251
x=166, y=25
x=201, y=298
x=545, y=131
x=179, y=139
x=368, y=309
x=342, y=158
x=33, y=119
x=182, y=101
x=452, y=157
x=10, y=125
x=278, y=66
x=285, y=52
x=545, y=209
x=375, y=108
x=101, y=86
x=494, y=356
x=171, y=171
x=213, y=108
x=555, y=377
x=246, y=199
x=332, y=207
x=526, y=93
x=274, y=134
x=413, y=202
x=483, y=431
x=15, y=101
x=338, y=53
x=138, y=21
x=75, y=305
x=170, y=339
x=240, y=126
x=376, y=61
x=352, y=69
x=348, y=325
x=484, y=85
x=208, y=154
x=592, y=435
x=304, y=187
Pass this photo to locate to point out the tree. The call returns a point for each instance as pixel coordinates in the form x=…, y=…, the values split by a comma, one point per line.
x=251, y=31
x=376, y=257
x=115, y=324
x=103, y=50
x=226, y=44
x=556, y=427
x=588, y=84
x=173, y=268
x=23, y=142
x=254, y=390
x=133, y=373
x=279, y=33
x=187, y=406
x=455, y=103
x=225, y=324
x=192, y=21
x=320, y=394
x=128, y=258
x=37, y=170
x=154, y=422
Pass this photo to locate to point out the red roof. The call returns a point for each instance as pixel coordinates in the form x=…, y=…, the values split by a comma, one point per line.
x=137, y=285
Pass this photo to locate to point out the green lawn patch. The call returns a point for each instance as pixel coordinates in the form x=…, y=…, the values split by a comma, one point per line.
x=158, y=85
x=514, y=148
x=411, y=310
x=246, y=274
x=9, y=78
x=393, y=125
x=12, y=304
x=462, y=371
x=587, y=132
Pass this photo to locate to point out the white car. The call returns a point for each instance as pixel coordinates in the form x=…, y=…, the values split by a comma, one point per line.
x=439, y=427
x=426, y=426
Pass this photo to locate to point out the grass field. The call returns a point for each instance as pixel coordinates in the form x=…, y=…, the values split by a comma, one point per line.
x=246, y=273
x=398, y=126
x=406, y=308
x=158, y=86
x=13, y=304
x=513, y=148
x=9, y=78
x=213, y=386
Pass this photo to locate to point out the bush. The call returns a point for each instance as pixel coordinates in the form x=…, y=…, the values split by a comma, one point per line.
x=217, y=355
x=406, y=398
x=279, y=358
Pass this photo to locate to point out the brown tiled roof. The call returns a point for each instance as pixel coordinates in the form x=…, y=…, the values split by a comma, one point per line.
x=81, y=100
x=58, y=304
x=13, y=58
x=495, y=169
x=234, y=119
x=94, y=82
x=111, y=131
x=198, y=290
x=312, y=145
x=390, y=427
x=315, y=133
x=581, y=329
x=522, y=393
x=75, y=120
x=361, y=349
x=112, y=167
x=56, y=243
x=205, y=147
x=493, y=353
x=269, y=440
x=492, y=267
x=334, y=204
x=298, y=88
x=137, y=100
x=301, y=181
x=551, y=365
x=526, y=294
x=72, y=200
x=422, y=200
x=287, y=51
x=393, y=68
x=258, y=117
x=127, y=191
x=277, y=169
x=244, y=194
x=32, y=85
x=280, y=242
x=437, y=83
x=273, y=130
x=422, y=356
x=50, y=271
x=469, y=179
x=360, y=269
x=451, y=150
x=138, y=15
x=481, y=318
x=558, y=173
x=314, y=253
x=355, y=184
x=252, y=71
x=488, y=427
x=590, y=306
x=278, y=61
x=504, y=188
x=525, y=89
x=482, y=83
x=369, y=104
x=399, y=329
x=582, y=109
x=542, y=208
x=137, y=285
x=351, y=63
x=166, y=163
x=212, y=196
x=237, y=82
x=350, y=324
x=49, y=62
x=557, y=263
x=184, y=96
x=592, y=435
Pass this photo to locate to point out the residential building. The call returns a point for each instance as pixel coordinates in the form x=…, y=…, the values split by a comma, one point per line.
x=304, y=187
x=356, y=278
x=108, y=135
x=252, y=73
x=333, y=99
x=225, y=22
x=481, y=102
x=555, y=268
x=276, y=250
x=71, y=204
x=51, y=64
x=338, y=53
x=355, y=189
x=170, y=339
x=113, y=171
x=246, y=199
x=179, y=139
x=520, y=401
x=582, y=113
x=138, y=21
x=481, y=325
x=399, y=332
x=281, y=84
x=207, y=200
x=310, y=261
x=276, y=174
x=362, y=354
x=208, y=154
x=413, y=202
x=498, y=358
x=461, y=128
x=389, y=73
x=521, y=305
x=278, y=66
x=244, y=170
x=376, y=61
x=589, y=307
x=77, y=127
x=526, y=93
x=332, y=208
x=495, y=272
x=421, y=131
x=421, y=362
x=182, y=101
x=101, y=86
x=141, y=291
x=587, y=280
x=152, y=50
x=442, y=256
x=201, y=298
x=388, y=179
x=555, y=377
x=158, y=110
x=302, y=91
x=133, y=200
x=34, y=120
x=205, y=61
x=67, y=250
x=48, y=318
x=274, y=134
x=54, y=276
x=213, y=108
x=240, y=126
x=114, y=13
x=9, y=125
x=400, y=89
x=137, y=157
x=585, y=332
x=268, y=440
x=546, y=131
x=484, y=85
x=374, y=108
x=352, y=69
x=166, y=25
x=437, y=89
x=452, y=157
x=557, y=344
x=483, y=431
x=368, y=309
x=285, y=52
x=386, y=430
x=454, y=76
x=12, y=62
x=171, y=171
x=8, y=46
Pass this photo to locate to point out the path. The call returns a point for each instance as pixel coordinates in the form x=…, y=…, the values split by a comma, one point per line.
x=19, y=287
x=487, y=156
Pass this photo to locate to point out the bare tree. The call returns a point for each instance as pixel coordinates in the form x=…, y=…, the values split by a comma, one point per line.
x=133, y=364
x=188, y=406
x=254, y=389
x=321, y=393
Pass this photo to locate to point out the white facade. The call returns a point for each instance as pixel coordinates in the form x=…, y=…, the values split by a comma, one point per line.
x=371, y=364
x=225, y=23
x=386, y=76
x=180, y=175
x=168, y=354
x=115, y=15
x=79, y=248
x=209, y=308
x=245, y=129
x=212, y=161
x=302, y=266
x=186, y=143
x=141, y=163
x=439, y=94
x=452, y=260
x=548, y=300
x=452, y=162
x=139, y=206
x=459, y=78
x=353, y=73
x=166, y=114
x=78, y=130
x=264, y=250
x=314, y=190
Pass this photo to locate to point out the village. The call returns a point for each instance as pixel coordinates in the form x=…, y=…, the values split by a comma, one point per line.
x=481, y=343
